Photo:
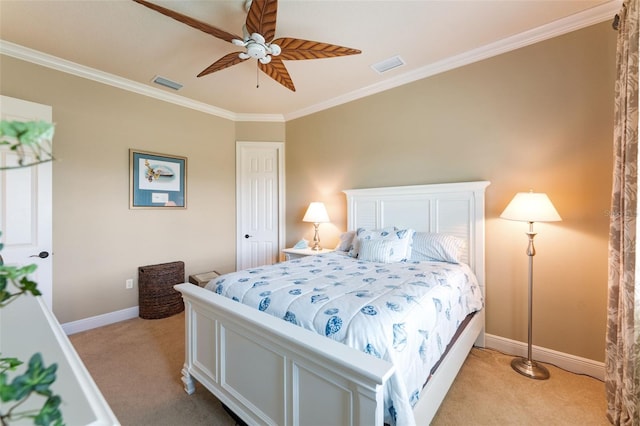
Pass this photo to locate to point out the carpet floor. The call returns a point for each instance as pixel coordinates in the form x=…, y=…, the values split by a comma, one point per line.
x=136, y=364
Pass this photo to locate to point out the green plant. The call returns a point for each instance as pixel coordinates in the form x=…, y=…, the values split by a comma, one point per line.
x=31, y=141
x=18, y=277
x=37, y=379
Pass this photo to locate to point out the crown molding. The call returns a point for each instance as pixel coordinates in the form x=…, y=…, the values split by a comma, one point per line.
x=53, y=62
x=580, y=20
x=559, y=27
x=260, y=117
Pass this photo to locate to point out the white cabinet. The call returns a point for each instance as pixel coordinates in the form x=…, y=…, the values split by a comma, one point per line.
x=291, y=253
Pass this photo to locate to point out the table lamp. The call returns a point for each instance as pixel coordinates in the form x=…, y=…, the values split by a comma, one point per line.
x=317, y=214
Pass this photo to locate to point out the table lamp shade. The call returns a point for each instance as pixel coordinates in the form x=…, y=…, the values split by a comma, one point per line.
x=316, y=213
x=531, y=207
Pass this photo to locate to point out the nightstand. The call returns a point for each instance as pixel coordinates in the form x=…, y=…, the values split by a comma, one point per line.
x=291, y=253
x=203, y=278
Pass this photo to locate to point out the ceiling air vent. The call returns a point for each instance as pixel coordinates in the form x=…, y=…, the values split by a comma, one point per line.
x=388, y=64
x=166, y=83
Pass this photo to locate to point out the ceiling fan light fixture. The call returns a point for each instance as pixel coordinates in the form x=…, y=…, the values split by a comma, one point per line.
x=257, y=51
x=258, y=38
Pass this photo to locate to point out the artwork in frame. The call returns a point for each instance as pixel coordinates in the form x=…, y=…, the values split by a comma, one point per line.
x=157, y=180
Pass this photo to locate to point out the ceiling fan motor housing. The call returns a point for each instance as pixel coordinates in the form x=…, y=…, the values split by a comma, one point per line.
x=257, y=48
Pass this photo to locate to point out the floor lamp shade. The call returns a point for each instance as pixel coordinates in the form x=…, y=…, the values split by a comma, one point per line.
x=530, y=207
x=316, y=214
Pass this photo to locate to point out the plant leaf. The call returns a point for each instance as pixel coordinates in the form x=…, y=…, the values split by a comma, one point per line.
x=50, y=412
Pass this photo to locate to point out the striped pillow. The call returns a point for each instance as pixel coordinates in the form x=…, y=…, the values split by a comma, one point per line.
x=368, y=234
x=437, y=247
x=401, y=239
x=377, y=250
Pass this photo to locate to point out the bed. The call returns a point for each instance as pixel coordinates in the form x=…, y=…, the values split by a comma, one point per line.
x=270, y=371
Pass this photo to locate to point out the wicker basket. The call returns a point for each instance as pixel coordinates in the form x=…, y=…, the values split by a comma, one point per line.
x=156, y=295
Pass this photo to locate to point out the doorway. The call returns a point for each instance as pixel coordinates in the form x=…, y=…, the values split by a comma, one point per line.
x=259, y=202
x=26, y=203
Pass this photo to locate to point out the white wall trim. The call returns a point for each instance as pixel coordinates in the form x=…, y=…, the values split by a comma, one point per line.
x=53, y=62
x=580, y=20
x=574, y=22
x=99, y=320
x=568, y=362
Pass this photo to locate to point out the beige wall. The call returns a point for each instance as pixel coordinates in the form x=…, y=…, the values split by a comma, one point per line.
x=259, y=131
x=536, y=118
x=98, y=241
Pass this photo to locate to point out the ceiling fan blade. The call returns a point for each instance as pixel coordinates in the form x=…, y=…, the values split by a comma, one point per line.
x=225, y=62
x=277, y=71
x=216, y=32
x=261, y=18
x=296, y=49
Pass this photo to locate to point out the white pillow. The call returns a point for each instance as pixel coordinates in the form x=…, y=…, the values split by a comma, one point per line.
x=367, y=234
x=346, y=241
x=438, y=247
x=383, y=250
x=377, y=250
x=400, y=237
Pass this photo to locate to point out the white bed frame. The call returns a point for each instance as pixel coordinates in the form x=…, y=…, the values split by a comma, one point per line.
x=271, y=372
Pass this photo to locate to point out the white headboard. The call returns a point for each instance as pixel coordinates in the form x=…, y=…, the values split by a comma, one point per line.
x=451, y=208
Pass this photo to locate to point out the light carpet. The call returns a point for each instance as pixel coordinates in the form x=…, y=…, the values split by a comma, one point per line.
x=136, y=364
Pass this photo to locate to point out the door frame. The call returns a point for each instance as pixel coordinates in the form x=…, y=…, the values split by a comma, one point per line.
x=279, y=147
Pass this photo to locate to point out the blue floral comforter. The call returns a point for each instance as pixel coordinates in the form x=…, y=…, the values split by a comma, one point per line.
x=403, y=312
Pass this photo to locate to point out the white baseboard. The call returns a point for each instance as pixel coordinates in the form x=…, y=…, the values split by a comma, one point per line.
x=99, y=320
x=568, y=362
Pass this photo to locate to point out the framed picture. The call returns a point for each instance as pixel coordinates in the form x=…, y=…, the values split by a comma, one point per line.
x=157, y=181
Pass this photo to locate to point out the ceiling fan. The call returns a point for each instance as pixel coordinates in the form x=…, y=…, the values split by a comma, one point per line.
x=258, y=41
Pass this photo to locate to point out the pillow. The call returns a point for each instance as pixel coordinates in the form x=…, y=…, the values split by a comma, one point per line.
x=377, y=250
x=438, y=247
x=400, y=237
x=346, y=241
x=367, y=234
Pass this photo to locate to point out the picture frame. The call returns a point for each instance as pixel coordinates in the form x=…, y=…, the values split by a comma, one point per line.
x=157, y=181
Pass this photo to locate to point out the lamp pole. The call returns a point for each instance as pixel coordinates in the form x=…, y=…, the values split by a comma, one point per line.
x=527, y=366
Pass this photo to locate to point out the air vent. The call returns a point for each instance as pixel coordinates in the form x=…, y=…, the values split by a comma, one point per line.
x=166, y=83
x=388, y=64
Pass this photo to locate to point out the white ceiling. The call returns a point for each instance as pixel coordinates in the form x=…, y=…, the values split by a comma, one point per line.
x=125, y=44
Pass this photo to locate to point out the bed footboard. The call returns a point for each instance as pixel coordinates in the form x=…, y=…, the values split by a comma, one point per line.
x=270, y=372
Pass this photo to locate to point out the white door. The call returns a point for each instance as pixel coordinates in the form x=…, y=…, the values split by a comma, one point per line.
x=260, y=205
x=25, y=203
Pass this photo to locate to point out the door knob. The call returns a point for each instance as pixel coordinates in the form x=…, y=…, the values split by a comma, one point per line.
x=248, y=236
x=41, y=255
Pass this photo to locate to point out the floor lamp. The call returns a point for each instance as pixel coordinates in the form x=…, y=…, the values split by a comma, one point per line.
x=317, y=214
x=530, y=207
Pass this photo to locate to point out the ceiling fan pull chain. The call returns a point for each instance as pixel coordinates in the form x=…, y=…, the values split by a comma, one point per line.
x=257, y=78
